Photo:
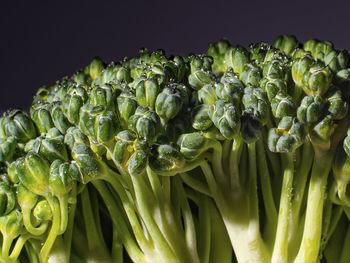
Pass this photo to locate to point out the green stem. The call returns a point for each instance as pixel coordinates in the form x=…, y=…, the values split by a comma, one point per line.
x=235, y=183
x=300, y=181
x=31, y=253
x=220, y=245
x=248, y=245
x=130, y=211
x=217, y=165
x=226, y=149
x=190, y=234
x=326, y=221
x=130, y=245
x=18, y=247
x=79, y=240
x=6, y=245
x=204, y=230
x=310, y=244
x=342, y=193
x=243, y=164
x=64, y=213
x=333, y=249
x=333, y=194
x=155, y=184
x=347, y=212
x=195, y=184
x=302, y=175
x=147, y=208
x=96, y=246
x=95, y=205
x=252, y=186
x=267, y=194
x=117, y=247
x=241, y=225
x=193, y=164
x=212, y=184
x=280, y=249
x=58, y=254
x=336, y=215
x=272, y=157
x=55, y=226
x=69, y=231
x=166, y=188
x=77, y=259
x=37, y=231
x=345, y=254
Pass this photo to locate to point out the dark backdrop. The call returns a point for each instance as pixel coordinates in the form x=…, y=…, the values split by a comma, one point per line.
x=41, y=42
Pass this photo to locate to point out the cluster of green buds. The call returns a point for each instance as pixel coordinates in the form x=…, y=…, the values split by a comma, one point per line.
x=122, y=130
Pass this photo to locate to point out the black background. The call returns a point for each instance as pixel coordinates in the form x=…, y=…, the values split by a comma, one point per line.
x=42, y=42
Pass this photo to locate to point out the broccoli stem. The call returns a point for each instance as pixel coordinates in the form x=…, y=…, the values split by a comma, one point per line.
x=166, y=188
x=217, y=164
x=273, y=158
x=311, y=239
x=55, y=227
x=164, y=218
x=345, y=254
x=58, y=253
x=145, y=244
x=195, y=184
x=18, y=247
x=248, y=245
x=234, y=157
x=280, y=249
x=226, y=149
x=130, y=245
x=300, y=180
x=326, y=222
x=252, y=189
x=267, y=194
x=6, y=245
x=333, y=249
x=337, y=212
x=166, y=233
x=204, y=228
x=155, y=184
x=242, y=226
x=221, y=248
x=71, y=215
x=64, y=213
x=342, y=193
x=37, y=231
x=347, y=212
x=31, y=253
x=190, y=234
x=117, y=247
x=302, y=174
x=76, y=259
x=96, y=246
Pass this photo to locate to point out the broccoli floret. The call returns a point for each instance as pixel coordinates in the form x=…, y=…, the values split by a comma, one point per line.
x=237, y=155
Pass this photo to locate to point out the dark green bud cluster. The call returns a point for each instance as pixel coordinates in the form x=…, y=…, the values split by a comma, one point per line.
x=287, y=44
x=17, y=124
x=200, y=71
x=288, y=135
x=136, y=122
x=258, y=52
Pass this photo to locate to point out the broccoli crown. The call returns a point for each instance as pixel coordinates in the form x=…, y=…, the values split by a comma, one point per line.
x=240, y=154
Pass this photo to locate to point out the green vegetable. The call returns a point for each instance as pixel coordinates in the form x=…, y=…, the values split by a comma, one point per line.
x=237, y=155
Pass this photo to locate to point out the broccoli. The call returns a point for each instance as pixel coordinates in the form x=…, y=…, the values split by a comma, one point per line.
x=238, y=155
